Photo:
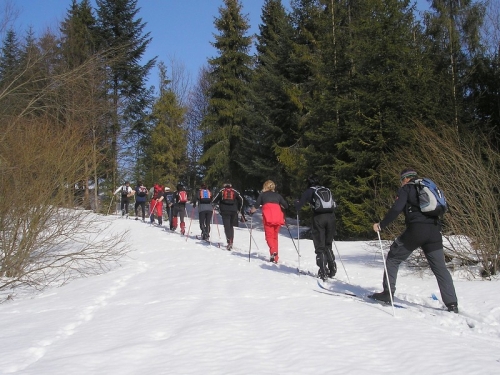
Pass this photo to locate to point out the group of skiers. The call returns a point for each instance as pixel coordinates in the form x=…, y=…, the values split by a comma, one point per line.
x=421, y=230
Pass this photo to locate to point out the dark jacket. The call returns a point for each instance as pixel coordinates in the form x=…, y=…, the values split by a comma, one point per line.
x=137, y=197
x=204, y=204
x=407, y=202
x=235, y=206
x=308, y=197
x=168, y=197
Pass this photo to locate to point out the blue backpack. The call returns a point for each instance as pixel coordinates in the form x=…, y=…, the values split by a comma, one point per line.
x=431, y=199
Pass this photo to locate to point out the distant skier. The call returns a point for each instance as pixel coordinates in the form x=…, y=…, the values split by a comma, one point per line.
x=203, y=199
x=179, y=208
x=168, y=197
x=141, y=195
x=125, y=192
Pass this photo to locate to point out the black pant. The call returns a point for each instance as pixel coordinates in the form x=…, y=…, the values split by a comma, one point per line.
x=228, y=219
x=124, y=205
x=205, y=219
x=169, y=214
x=323, y=230
x=428, y=237
x=143, y=208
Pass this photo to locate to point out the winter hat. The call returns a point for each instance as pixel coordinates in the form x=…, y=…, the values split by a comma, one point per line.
x=408, y=172
x=167, y=188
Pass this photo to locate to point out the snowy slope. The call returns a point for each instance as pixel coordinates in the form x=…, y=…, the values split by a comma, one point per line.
x=179, y=306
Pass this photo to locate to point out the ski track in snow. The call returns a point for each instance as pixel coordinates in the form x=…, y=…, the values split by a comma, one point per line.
x=41, y=347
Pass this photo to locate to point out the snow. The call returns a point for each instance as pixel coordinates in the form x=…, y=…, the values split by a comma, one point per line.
x=179, y=306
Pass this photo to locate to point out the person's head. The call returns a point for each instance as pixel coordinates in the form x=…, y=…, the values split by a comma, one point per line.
x=127, y=183
x=268, y=186
x=407, y=175
x=139, y=183
x=180, y=187
x=167, y=189
x=227, y=184
x=203, y=186
x=312, y=180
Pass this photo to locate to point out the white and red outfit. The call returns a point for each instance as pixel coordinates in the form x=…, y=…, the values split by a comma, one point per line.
x=273, y=218
x=156, y=204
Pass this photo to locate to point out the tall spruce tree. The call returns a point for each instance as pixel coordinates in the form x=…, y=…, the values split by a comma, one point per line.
x=230, y=75
x=121, y=34
x=274, y=111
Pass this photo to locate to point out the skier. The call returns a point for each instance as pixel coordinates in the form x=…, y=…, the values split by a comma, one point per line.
x=126, y=192
x=421, y=231
x=203, y=199
x=168, y=197
x=156, y=204
x=322, y=228
x=179, y=210
x=272, y=205
x=230, y=203
x=140, y=200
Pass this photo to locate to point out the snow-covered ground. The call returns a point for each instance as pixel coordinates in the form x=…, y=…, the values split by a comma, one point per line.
x=179, y=306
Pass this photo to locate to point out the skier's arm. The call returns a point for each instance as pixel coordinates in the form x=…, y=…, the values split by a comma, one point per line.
x=305, y=198
x=283, y=203
x=396, y=208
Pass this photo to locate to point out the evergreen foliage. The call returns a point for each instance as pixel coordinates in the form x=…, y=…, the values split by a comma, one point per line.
x=121, y=34
x=230, y=74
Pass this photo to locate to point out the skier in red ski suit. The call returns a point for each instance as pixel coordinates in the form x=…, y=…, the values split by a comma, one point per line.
x=272, y=205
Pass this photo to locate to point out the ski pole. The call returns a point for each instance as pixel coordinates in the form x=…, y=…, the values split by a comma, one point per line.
x=341, y=261
x=151, y=214
x=386, y=274
x=250, y=247
x=110, y=203
x=216, y=222
x=190, y=221
x=251, y=237
x=296, y=249
x=298, y=240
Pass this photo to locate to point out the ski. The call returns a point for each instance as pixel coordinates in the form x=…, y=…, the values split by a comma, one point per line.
x=357, y=297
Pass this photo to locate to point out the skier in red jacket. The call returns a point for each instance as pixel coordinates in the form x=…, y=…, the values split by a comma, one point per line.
x=273, y=205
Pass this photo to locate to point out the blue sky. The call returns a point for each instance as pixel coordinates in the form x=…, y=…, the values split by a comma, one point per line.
x=181, y=29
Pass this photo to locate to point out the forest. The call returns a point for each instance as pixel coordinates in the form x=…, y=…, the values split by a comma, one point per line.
x=352, y=91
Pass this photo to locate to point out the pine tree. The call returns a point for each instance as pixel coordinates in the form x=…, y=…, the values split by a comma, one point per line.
x=120, y=34
x=78, y=31
x=274, y=113
x=230, y=75
x=10, y=57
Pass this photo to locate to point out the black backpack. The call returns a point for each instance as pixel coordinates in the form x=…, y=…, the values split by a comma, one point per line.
x=323, y=201
x=142, y=191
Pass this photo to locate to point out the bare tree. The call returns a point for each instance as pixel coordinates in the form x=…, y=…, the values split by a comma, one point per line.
x=49, y=144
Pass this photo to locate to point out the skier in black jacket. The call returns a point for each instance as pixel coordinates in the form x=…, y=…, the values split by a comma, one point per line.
x=323, y=229
x=230, y=203
x=421, y=231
